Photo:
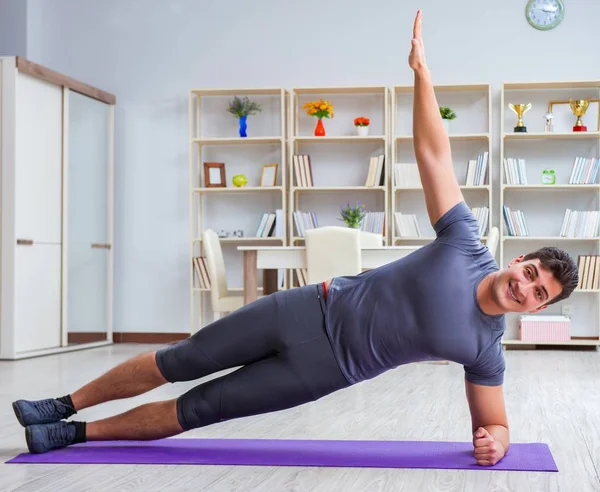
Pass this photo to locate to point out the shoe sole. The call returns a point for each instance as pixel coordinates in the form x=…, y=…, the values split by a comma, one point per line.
x=18, y=414
x=28, y=438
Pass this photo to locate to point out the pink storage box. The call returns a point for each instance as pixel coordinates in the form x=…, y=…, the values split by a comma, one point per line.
x=544, y=328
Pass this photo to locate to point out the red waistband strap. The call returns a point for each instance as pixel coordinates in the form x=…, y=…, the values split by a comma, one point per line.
x=325, y=290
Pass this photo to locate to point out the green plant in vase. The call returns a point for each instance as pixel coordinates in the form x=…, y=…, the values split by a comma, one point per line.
x=353, y=216
x=242, y=108
x=447, y=115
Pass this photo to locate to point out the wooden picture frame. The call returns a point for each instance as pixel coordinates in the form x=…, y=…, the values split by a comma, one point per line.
x=214, y=175
x=269, y=175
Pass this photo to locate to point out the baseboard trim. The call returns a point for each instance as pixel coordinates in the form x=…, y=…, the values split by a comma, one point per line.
x=86, y=337
x=128, y=337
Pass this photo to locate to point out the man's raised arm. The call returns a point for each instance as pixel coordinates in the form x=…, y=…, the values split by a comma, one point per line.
x=431, y=143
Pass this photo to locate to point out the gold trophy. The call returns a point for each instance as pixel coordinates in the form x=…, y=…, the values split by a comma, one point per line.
x=520, y=110
x=579, y=107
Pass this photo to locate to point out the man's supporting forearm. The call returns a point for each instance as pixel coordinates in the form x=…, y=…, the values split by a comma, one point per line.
x=430, y=138
x=500, y=435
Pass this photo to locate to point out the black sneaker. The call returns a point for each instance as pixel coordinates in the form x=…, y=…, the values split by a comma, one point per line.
x=46, y=437
x=41, y=411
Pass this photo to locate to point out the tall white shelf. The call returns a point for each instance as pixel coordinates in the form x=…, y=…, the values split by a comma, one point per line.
x=214, y=137
x=469, y=134
x=544, y=205
x=340, y=159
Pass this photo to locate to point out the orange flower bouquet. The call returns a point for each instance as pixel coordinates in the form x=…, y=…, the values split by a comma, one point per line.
x=320, y=109
x=362, y=124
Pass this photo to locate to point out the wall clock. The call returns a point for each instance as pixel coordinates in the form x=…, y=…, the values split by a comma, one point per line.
x=544, y=14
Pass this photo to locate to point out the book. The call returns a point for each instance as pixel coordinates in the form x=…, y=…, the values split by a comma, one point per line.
x=303, y=170
x=588, y=270
x=584, y=170
x=515, y=222
x=406, y=175
x=477, y=170
x=580, y=223
x=515, y=172
x=376, y=171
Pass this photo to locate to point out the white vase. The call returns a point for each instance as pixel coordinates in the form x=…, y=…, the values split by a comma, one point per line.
x=446, y=125
x=363, y=131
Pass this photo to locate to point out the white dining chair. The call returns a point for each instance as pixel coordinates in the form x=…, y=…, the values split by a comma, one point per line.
x=221, y=299
x=370, y=239
x=332, y=251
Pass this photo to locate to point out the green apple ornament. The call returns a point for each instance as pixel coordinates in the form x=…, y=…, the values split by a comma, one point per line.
x=240, y=180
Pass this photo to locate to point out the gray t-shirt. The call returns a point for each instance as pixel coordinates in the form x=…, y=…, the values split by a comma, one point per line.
x=420, y=307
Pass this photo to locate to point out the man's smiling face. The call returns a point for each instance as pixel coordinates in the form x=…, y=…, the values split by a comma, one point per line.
x=525, y=286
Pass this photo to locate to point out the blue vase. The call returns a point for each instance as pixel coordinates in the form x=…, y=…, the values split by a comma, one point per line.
x=243, y=126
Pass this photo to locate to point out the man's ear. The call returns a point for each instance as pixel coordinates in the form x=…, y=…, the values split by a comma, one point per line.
x=516, y=260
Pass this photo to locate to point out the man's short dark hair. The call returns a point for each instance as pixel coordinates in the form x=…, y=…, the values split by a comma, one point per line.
x=562, y=266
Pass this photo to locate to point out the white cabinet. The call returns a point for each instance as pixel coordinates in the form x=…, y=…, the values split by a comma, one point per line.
x=56, y=162
x=37, y=297
x=38, y=160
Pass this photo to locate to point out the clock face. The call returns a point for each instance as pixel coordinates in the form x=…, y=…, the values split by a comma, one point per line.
x=544, y=14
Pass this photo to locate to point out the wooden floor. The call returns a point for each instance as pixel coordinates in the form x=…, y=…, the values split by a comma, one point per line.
x=552, y=397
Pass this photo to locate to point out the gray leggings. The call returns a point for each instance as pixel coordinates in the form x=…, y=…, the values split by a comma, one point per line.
x=282, y=347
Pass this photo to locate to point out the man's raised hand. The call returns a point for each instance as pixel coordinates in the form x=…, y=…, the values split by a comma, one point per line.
x=416, y=59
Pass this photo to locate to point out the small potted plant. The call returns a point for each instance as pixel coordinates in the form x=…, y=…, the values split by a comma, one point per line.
x=320, y=109
x=448, y=115
x=362, y=125
x=353, y=216
x=241, y=108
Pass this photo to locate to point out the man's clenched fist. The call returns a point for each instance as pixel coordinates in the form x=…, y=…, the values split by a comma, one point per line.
x=487, y=450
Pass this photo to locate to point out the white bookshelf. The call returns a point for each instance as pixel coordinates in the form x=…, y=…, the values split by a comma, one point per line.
x=214, y=137
x=469, y=134
x=340, y=160
x=544, y=205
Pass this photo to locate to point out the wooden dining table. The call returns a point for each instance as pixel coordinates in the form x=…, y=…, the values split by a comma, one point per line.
x=270, y=259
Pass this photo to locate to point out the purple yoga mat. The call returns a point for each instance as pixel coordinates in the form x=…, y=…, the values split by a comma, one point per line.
x=279, y=452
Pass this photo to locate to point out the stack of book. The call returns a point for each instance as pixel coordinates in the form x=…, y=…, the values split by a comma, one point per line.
x=515, y=171
x=270, y=224
x=482, y=214
x=373, y=222
x=304, y=221
x=406, y=175
x=515, y=222
x=376, y=173
x=585, y=170
x=580, y=223
x=407, y=225
x=303, y=171
x=477, y=170
x=201, y=269
x=302, y=276
x=588, y=271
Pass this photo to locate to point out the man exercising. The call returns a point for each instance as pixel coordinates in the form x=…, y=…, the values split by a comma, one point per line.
x=444, y=301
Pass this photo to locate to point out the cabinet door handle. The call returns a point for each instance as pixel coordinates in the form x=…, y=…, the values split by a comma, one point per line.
x=25, y=242
x=100, y=246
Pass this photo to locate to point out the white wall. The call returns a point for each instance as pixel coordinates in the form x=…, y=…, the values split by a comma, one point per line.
x=151, y=52
x=13, y=27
